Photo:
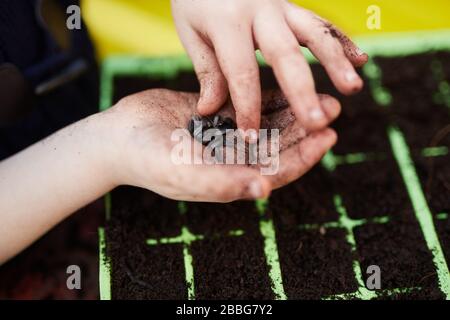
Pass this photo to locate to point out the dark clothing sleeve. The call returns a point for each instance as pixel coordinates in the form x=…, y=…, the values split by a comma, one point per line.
x=21, y=40
x=26, y=43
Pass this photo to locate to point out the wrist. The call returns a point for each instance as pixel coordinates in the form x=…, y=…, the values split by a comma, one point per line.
x=103, y=148
x=116, y=146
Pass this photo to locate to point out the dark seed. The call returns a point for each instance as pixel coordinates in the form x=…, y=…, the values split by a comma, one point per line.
x=197, y=127
x=228, y=124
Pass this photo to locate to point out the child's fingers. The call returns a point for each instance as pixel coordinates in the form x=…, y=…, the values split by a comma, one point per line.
x=323, y=41
x=291, y=131
x=222, y=183
x=213, y=85
x=331, y=105
x=301, y=157
x=236, y=55
x=356, y=56
x=281, y=50
x=283, y=117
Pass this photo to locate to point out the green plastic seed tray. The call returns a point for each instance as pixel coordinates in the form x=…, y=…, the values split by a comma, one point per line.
x=389, y=46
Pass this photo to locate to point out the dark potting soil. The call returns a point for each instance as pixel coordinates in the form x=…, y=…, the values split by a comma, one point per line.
x=399, y=249
x=444, y=58
x=315, y=262
x=372, y=189
x=434, y=174
x=425, y=123
x=361, y=127
x=140, y=271
x=306, y=201
x=228, y=267
x=217, y=220
x=221, y=268
x=413, y=90
x=443, y=229
x=231, y=268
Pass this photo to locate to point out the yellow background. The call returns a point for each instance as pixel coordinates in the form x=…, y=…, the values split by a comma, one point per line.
x=145, y=27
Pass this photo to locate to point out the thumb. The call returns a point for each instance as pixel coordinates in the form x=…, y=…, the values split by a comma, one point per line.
x=227, y=183
x=213, y=85
x=213, y=90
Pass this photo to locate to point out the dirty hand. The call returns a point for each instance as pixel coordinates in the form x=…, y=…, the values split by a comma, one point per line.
x=221, y=38
x=142, y=125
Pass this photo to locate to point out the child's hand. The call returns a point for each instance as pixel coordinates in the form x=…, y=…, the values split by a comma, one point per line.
x=142, y=125
x=131, y=144
x=221, y=37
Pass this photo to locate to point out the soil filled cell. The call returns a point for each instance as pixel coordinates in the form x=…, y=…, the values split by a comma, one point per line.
x=365, y=132
x=140, y=271
x=213, y=219
x=306, y=201
x=140, y=211
x=400, y=251
x=315, y=265
x=361, y=127
x=420, y=131
x=231, y=268
x=413, y=87
x=434, y=174
x=404, y=72
x=372, y=189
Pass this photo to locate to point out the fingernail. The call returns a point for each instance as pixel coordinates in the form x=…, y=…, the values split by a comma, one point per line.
x=316, y=114
x=351, y=76
x=359, y=52
x=252, y=137
x=255, y=189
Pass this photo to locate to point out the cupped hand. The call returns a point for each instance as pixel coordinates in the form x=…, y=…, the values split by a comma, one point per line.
x=142, y=126
x=221, y=38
